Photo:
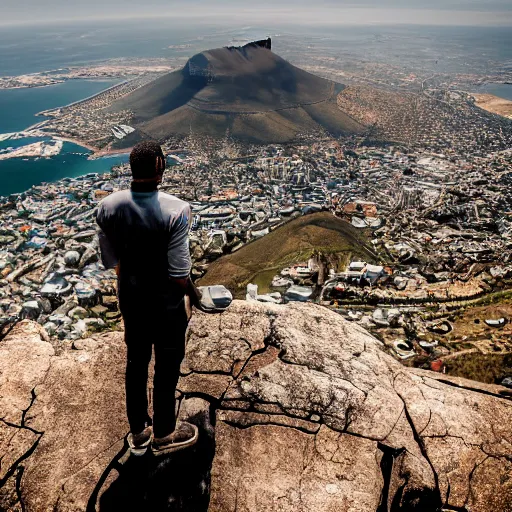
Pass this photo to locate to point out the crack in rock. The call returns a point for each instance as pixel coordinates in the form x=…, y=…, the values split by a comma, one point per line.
x=423, y=450
x=389, y=455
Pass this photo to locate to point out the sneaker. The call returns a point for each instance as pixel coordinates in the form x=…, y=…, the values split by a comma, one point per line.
x=184, y=436
x=139, y=443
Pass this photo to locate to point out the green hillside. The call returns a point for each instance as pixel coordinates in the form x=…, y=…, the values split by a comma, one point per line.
x=292, y=243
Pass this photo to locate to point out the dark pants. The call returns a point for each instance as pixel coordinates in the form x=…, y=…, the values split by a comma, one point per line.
x=164, y=329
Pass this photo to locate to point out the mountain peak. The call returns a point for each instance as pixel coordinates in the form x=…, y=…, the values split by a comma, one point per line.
x=255, y=57
x=262, y=43
x=248, y=91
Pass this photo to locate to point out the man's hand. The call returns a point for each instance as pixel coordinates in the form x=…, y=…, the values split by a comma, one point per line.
x=189, y=288
x=181, y=282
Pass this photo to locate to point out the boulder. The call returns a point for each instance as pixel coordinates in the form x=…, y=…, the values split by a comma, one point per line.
x=30, y=309
x=86, y=294
x=78, y=313
x=72, y=258
x=298, y=409
x=50, y=328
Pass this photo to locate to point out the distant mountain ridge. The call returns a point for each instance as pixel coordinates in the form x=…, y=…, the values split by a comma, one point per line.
x=249, y=92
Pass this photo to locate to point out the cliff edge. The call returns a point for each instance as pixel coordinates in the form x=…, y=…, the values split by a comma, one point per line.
x=299, y=410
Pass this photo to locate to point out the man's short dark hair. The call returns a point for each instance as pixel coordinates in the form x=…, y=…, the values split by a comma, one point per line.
x=143, y=159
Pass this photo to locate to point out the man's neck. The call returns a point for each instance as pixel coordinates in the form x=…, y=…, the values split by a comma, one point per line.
x=144, y=187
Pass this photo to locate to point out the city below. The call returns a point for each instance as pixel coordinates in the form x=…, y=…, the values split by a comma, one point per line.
x=422, y=257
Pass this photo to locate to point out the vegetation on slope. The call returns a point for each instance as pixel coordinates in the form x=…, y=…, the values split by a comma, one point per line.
x=488, y=368
x=294, y=242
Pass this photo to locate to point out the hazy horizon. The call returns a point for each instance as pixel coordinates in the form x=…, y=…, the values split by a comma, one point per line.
x=323, y=12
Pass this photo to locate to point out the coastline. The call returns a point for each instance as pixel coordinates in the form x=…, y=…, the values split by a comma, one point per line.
x=96, y=153
x=38, y=86
x=493, y=104
x=110, y=152
x=73, y=141
x=44, y=113
x=69, y=79
x=35, y=129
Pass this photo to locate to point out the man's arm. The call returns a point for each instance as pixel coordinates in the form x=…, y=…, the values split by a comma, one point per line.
x=190, y=289
x=179, y=259
x=178, y=251
x=108, y=254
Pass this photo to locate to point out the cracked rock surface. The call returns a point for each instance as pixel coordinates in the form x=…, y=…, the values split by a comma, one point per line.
x=303, y=411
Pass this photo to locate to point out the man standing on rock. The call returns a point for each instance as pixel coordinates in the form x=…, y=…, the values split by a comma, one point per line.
x=144, y=235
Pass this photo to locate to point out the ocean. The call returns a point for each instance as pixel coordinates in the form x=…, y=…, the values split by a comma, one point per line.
x=19, y=174
x=18, y=108
x=48, y=47
x=500, y=90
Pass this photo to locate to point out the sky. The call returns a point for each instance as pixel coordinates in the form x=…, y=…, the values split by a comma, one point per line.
x=310, y=12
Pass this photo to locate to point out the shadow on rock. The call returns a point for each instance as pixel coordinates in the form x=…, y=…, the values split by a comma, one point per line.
x=174, y=482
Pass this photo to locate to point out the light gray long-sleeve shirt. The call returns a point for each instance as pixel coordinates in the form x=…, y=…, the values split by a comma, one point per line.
x=147, y=234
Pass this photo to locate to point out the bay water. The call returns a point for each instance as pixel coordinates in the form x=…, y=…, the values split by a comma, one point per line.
x=18, y=108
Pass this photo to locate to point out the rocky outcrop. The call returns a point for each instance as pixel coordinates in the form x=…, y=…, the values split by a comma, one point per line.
x=263, y=43
x=299, y=410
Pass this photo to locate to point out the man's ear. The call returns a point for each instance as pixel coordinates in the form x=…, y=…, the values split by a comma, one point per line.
x=161, y=164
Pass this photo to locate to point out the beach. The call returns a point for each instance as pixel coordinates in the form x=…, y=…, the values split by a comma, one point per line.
x=494, y=104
